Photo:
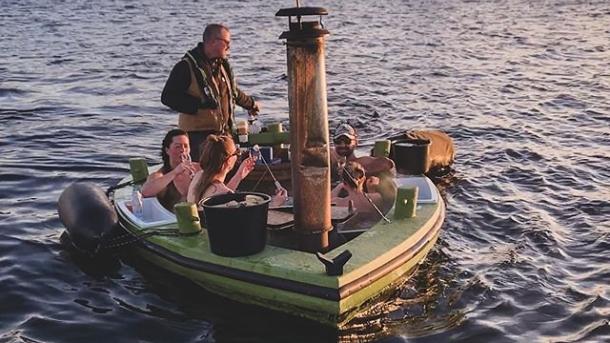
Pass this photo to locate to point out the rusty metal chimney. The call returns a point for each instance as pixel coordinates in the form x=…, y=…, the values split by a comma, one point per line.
x=309, y=145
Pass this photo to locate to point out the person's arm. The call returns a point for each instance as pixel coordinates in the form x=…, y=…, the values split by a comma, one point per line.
x=372, y=184
x=157, y=181
x=175, y=94
x=244, y=169
x=280, y=197
x=247, y=102
x=191, y=196
x=375, y=165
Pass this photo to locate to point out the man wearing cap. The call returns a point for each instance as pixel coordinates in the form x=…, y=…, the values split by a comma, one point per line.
x=202, y=88
x=346, y=140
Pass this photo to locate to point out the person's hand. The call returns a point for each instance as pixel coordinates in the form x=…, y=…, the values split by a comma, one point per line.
x=254, y=110
x=372, y=181
x=185, y=168
x=280, y=197
x=245, y=167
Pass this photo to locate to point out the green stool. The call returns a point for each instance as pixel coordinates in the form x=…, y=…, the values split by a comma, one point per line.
x=275, y=127
x=406, y=202
x=188, y=218
x=139, y=169
x=382, y=148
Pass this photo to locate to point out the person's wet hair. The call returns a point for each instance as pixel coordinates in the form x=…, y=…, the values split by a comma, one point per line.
x=214, y=152
x=167, y=141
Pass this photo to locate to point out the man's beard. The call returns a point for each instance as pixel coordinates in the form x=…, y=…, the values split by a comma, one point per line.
x=344, y=151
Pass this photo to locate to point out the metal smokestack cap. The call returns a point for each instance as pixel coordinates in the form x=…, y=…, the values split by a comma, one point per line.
x=301, y=11
x=303, y=29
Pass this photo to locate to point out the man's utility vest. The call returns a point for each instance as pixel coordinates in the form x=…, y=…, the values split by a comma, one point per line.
x=208, y=119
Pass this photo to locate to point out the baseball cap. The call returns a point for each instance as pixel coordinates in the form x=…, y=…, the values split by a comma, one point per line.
x=345, y=130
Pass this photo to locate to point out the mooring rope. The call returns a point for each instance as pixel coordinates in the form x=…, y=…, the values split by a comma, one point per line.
x=111, y=189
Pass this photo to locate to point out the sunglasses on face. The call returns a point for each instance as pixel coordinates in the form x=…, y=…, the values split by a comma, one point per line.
x=343, y=140
x=237, y=153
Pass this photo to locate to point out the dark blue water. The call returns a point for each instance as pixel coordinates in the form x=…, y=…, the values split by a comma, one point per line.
x=522, y=86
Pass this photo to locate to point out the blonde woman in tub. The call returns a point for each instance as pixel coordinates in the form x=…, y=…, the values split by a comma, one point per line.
x=219, y=155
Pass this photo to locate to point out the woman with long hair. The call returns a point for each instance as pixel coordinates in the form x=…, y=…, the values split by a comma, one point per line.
x=171, y=182
x=218, y=157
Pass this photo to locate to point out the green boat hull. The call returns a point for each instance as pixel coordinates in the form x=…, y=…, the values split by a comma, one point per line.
x=293, y=281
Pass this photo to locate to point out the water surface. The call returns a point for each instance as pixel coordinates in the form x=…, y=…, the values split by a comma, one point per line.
x=521, y=86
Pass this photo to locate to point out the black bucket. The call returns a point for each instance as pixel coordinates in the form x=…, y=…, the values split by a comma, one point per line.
x=236, y=231
x=411, y=156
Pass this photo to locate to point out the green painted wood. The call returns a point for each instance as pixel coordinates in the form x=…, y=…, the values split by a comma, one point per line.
x=374, y=248
x=321, y=310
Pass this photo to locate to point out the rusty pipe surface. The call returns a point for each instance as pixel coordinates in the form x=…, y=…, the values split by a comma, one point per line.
x=309, y=141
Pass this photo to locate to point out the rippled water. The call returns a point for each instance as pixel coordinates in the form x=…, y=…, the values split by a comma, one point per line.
x=522, y=87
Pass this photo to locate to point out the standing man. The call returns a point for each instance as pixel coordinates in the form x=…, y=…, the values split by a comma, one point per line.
x=202, y=88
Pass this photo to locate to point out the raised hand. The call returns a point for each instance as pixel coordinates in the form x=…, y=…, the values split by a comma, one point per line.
x=372, y=181
x=254, y=110
x=245, y=167
x=186, y=165
x=280, y=197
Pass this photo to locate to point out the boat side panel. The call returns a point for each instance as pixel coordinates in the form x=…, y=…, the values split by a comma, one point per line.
x=382, y=244
x=324, y=311
x=361, y=299
x=302, y=305
x=390, y=241
x=371, y=251
x=272, y=261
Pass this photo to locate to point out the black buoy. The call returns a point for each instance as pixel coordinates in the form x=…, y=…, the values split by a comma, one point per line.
x=88, y=216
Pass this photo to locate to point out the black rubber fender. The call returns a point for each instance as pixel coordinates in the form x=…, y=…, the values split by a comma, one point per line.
x=88, y=216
